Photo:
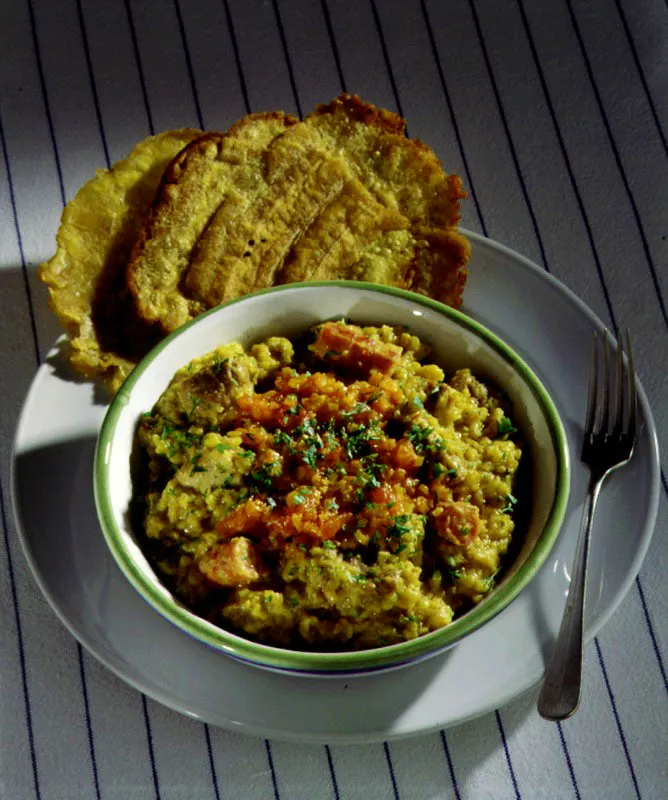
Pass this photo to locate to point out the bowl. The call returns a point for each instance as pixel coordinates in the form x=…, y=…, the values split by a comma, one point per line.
x=457, y=341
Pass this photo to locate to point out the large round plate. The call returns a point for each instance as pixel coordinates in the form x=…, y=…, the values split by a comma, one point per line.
x=53, y=498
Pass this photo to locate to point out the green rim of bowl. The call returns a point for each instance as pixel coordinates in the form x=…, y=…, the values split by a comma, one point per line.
x=349, y=661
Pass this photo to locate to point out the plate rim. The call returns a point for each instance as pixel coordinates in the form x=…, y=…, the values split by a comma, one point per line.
x=499, y=700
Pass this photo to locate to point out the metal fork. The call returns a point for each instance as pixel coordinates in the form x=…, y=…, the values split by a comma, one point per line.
x=609, y=439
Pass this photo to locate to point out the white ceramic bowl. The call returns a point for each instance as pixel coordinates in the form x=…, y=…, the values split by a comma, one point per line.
x=456, y=340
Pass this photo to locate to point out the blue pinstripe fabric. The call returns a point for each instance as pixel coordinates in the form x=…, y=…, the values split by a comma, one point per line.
x=93, y=85
x=212, y=764
x=650, y=628
x=386, y=57
x=19, y=242
x=288, y=60
x=451, y=769
x=451, y=112
x=237, y=57
x=618, y=722
x=332, y=40
x=641, y=75
x=390, y=767
x=21, y=648
x=567, y=756
x=89, y=722
x=506, y=128
x=567, y=162
x=506, y=751
x=151, y=750
x=332, y=772
x=329, y=12
x=618, y=160
x=3, y=511
x=47, y=106
x=272, y=769
x=189, y=63
x=140, y=69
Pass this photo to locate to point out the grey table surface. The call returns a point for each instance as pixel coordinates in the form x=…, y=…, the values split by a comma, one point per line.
x=555, y=114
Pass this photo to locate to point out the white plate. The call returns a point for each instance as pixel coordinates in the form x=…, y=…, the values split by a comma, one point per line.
x=53, y=499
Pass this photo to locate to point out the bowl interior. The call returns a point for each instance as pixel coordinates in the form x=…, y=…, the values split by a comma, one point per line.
x=456, y=341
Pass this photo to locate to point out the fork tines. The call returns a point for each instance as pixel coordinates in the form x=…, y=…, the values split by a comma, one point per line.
x=605, y=419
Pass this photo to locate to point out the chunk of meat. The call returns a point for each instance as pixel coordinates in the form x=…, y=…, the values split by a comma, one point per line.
x=232, y=564
x=456, y=522
x=349, y=346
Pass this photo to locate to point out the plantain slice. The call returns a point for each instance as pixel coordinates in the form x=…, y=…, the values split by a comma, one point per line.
x=334, y=187
x=86, y=276
x=216, y=169
x=403, y=174
x=308, y=215
x=244, y=246
x=335, y=242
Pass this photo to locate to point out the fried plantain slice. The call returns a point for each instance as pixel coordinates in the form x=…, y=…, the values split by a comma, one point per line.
x=335, y=241
x=438, y=268
x=403, y=174
x=215, y=169
x=310, y=214
x=246, y=243
x=86, y=276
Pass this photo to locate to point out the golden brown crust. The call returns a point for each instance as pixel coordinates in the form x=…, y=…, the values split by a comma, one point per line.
x=355, y=109
x=242, y=129
x=194, y=186
x=86, y=276
x=401, y=173
x=439, y=266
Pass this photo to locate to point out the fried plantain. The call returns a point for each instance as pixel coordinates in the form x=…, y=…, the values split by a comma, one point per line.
x=86, y=276
x=215, y=169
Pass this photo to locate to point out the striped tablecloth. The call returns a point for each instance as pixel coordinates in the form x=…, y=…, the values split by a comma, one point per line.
x=555, y=114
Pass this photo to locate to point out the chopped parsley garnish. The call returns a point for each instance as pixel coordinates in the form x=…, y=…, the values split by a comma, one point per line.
x=360, y=408
x=399, y=526
x=419, y=438
x=219, y=363
x=300, y=495
x=261, y=479
x=223, y=446
x=196, y=403
x=505, y=427
x=281, y=437
x=453, y=574
x=357, y=440
x=195, y=464
x=178, y=438
x=511, y=502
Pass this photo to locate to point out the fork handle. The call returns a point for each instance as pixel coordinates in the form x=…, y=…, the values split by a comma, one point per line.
x=560, y=694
